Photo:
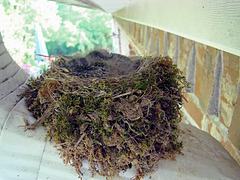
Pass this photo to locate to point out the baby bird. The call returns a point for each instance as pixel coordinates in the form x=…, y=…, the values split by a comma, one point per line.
x=102, y=63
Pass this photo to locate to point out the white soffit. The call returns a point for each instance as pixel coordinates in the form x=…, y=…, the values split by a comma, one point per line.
x=106, y=5
x=113, y=5
x=214, y=23
x=73, y=2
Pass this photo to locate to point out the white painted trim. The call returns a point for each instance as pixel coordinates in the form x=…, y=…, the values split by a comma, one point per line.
x=213, y=23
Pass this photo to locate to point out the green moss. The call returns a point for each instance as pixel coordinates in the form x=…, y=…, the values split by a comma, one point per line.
x=114, y=123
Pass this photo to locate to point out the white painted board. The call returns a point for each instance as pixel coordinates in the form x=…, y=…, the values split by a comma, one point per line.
x=210, y=22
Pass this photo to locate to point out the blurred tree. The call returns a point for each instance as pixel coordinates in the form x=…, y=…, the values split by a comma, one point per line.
x=67, y=29
x=81, y=31
x=17, y=18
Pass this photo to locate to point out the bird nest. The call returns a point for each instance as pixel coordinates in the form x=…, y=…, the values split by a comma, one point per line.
x=113, y=111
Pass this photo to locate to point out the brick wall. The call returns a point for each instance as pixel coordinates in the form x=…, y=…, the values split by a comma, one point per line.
x=213, y=73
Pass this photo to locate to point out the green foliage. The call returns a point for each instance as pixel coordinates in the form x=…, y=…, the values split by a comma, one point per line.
x=66, y=29
x=81, y=31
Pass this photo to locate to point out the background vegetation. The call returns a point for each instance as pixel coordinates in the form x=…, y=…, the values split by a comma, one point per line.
x=66, y=29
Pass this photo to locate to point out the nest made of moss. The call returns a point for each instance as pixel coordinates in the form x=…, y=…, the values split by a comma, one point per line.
x=115, y=117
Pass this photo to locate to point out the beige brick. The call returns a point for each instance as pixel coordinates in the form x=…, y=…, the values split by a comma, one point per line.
x=154, y=41
x=147, y=39
x=138, y=33
x=229, y=87
x=194, y=111
x=171, y=44
x=134, y=31
x=216, y=133
x=185, y=46
x=200, y=54
x=233, y=132
x=204, y=77
x=142, y=32
x=232, y=150
x=161, y=41
x=209, y=126
x=131, y=29
x=150, y=42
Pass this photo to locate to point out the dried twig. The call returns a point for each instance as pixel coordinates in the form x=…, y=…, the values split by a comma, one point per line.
x=121, y=95
x=40, y=120
x=80, y=139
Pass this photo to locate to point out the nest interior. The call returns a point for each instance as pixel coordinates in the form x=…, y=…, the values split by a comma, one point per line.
x=111, y=110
